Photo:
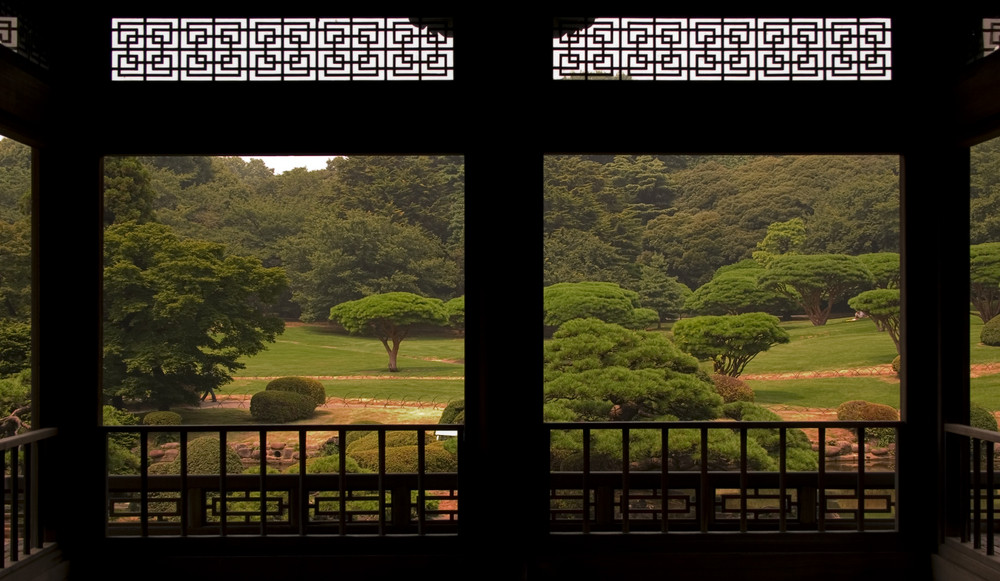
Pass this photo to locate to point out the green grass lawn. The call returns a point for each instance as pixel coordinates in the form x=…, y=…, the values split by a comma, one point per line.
x=840, y=344
x=432, y=367
x=322, y=351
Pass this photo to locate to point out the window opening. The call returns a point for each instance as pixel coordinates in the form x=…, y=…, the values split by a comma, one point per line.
x=308, y=301
x=984, y=323
x=281, y=49
x=685, y=290
x=724, y=49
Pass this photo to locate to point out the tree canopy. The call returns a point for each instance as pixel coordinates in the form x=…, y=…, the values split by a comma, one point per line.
x=596, y=370
x=390, y=317
x=179, y=314
x=729, y=341
x=816, y=281
x=883, y=307
x=601, y=300
x=984, y=277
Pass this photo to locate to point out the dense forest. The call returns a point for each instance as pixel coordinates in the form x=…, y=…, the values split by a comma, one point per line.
x=626, y=219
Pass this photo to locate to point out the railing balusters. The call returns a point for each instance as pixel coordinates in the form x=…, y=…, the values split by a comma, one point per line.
x=861, y=478
x=743, y=479
x=706, y=504
x=586, y=480
x=223, y=508
x=381, y=482
x=989, y=498
x=782, y=489
x=303, y=490
x=15, y=511
x=262, y=467
x=664, y=479
x=342, y=479
x=821, y=480
x=976, y=488
x=143, y=485
x=626, y=435
x=421, y=467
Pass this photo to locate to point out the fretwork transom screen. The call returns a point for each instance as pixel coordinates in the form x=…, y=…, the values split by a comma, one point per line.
x=8, y=31
x=726, y=49
x=278, y=49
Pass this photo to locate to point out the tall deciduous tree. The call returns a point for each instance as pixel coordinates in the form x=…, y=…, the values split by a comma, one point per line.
x=729, y=341
x=816, y=281
x=180, y=314
x=390, y=317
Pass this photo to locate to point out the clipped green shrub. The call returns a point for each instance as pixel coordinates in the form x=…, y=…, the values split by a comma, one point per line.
x=162, y=418
x=326, y=465
x=982, y=418
x=392, y=439
x=280, y=406
x=799, y=452
x=897, y=363
x=306, y=386
x=860, y=410
x=990, y=335
x=355, y=435
x=202, y=457
x=454, y=412
x=404, y=459
x=732, y=388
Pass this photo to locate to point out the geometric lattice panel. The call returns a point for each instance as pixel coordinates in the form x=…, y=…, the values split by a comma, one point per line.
x=991, y=35
x=277, y=49
x=726, y=49
x=8, y=31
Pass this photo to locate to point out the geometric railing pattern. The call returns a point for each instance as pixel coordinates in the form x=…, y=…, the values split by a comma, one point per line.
x=726, y=49
x=279, y=49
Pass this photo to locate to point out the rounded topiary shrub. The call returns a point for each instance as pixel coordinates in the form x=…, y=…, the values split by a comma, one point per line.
x=454, y=412
x=732, y=388
x=982, y=418
x=990, y=335
x=162, y=419
x=392, y=439
x=306, y=386
x=280, y=406
x=897, y=363
x=860, y=410
x=404, y=459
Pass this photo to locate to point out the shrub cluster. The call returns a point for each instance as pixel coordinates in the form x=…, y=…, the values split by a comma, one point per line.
x=990, y=335
x=982, y=418
x=280, y=406
x=306, y=386
x=203, y=458
x=454, y=412
x=860, y=410
x=732, y=388
x=162, y=418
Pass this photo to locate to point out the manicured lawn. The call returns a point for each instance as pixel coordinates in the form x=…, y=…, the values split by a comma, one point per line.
x=826, y=392
x=321, y=351
x=840, y=344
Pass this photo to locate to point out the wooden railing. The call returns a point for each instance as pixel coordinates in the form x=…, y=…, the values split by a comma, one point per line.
x=720, y=494
x=21, y=520
x=703, y=498
x=260, y=500
x=973, y=453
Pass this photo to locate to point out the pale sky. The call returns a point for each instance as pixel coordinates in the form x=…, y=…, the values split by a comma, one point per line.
x=281, y=164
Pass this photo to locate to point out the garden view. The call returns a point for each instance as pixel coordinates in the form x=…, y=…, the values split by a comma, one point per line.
x=675, y=288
